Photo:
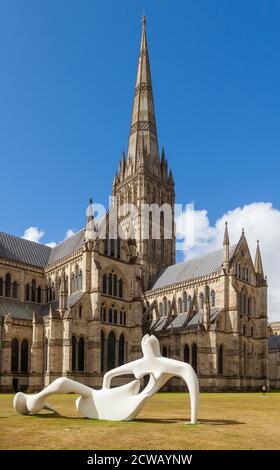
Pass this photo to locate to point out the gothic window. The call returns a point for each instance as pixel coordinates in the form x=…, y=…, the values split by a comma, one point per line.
x=33, y=291
x=186, y=354
x=243, y=274
x=252, y=331
x=111, y=354
x=180, y=305
x=164, y=309
x=118, y=248
x=244, y=329
x=74, y=353
x=1, y=286
x=221, y=360
x=201, y=300
x=110, y=284
x=39, y=295
x=24, y=356
x=249, y=304
x=121, y=317
x=72, y=283
x=213, y=300
x=80, y=281
x=115, y=285
x=120, y=288
x=8, y=285
x=194, y=357
x=53, y=292
x=27, y=292
x=247, y=274
x=160, y=309
x=112, y=247
x=124, y=318
x=121, y=350
x=110, y=315
x=46, y=355
x=189, y=301
x=106, y=246
x=115, y=316
x=80, y=311
x=14, y=355
x=164, y=351
x=168, y=307
x=103, y=313
x=15, y=290
x=185, y=301
x=104, y=286
x=81, y=354
x=102, y=351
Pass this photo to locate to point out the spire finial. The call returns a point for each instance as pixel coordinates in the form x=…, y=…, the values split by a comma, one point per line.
x=226, y=236
x=144, y=19
x=258, y=261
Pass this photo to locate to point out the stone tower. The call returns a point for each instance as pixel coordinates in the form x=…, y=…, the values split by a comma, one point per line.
x=143, y=179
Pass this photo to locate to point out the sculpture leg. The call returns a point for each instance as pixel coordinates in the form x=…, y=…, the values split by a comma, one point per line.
x=26, y=404
x=189, y=376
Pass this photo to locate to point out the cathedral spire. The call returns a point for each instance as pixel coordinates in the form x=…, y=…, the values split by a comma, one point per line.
x=226, y=247
x=143, y=121
x=258, y=261
x=90, y=226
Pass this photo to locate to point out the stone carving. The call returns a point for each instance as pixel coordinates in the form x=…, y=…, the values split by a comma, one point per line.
x=120, y=403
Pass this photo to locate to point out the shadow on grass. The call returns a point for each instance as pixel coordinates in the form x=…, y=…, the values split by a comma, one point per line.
x=212, y=422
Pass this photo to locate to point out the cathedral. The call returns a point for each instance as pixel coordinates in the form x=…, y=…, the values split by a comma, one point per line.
x=80, y=308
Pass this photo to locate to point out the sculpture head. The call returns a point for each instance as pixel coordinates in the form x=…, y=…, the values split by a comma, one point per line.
x=150, y=346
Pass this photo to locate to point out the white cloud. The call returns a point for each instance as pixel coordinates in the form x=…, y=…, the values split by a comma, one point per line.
x=51, y=244
x=261, y=222
x=69, y=233
x=33, y=234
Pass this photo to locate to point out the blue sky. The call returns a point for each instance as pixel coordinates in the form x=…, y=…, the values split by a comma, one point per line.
x=68, y=70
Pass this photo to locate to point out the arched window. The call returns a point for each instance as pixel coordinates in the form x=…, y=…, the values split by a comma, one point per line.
x=110, y=315
x=249, y=306
x=213, y=299
x=244, y=329
x=15, y=290
x=74, y=353
x=180, y=305
x=103, y=313
x=168, y=307
x=221, y=360
x=80, y=280
x=1, y=287
x=115, y=316
x=8, y=285
x=46, y=351
x=201, y=300
x=80, y=311
x=121, y=350
x=112, y=244
x=252, y=331
x=106, y=246
x=194, y=357
x=185, y=301
x=102, y=350
x=115, y=285
x=121, y=317
x=27, y=292
x=186, y=354
x=14, y=355
x=164, y=309
x=53, y=291
x=124, y=318
x=81, y=354
x=111, y=355
x=189, y=302
x=39, y=295
x=120, y=288
x=164, y=351
x=104, y=284
x=33, y=291
x=110, y=284
x=72, y=283
x=24, y=356
x=118, y=248
x=160, y=309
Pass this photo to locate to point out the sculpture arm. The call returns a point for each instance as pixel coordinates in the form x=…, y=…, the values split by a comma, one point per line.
x=125, y=369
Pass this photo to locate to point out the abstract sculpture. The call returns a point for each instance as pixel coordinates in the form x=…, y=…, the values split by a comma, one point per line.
x=120, y=403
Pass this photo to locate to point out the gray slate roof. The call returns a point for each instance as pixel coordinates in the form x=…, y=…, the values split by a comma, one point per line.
x=274, y=342
x=24, y=251
x=191, y=269
x=181, y=320
x=36, y=254
x=67, y=247
x=25, y=310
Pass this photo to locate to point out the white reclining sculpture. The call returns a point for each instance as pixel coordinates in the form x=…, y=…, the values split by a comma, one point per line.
x=120, y=403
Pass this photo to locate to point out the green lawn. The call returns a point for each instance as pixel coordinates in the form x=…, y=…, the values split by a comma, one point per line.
x=226, y=421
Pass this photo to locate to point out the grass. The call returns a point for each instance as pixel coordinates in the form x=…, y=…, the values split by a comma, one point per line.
x=226, y=421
